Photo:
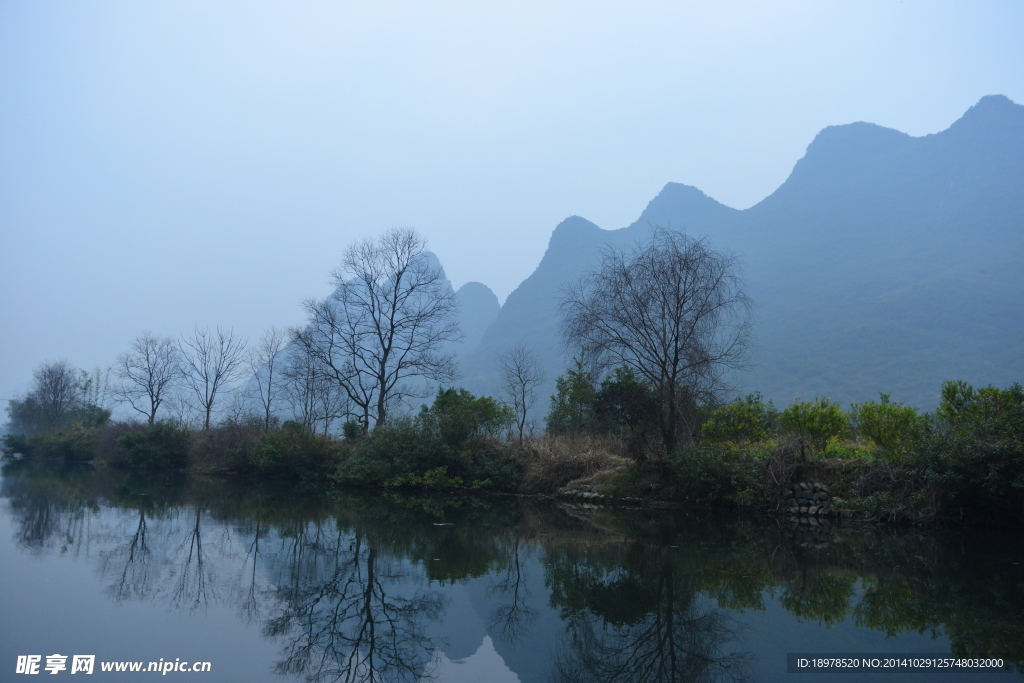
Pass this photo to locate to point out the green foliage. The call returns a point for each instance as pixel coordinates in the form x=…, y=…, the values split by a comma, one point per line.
x=625, y=404
x=717, y=476
x=436, y=479
x=893, y=427
x=746, y=420
x=225, y=448
x=74, y=443
x=25, y=417
x=843, y=449
x=572, y=406
x=390, y=451
x=90, y=416
x=158, y=446
x=61, y=396
x=457, y=435
x=461, y=420
x=293, y=452
x=976, y=452
x=989, y=410
x=17, y=443
x=353, y=430
x=816, y=421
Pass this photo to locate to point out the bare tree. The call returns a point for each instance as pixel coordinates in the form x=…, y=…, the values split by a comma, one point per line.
x=55, y=400
x=672, y=310
x=265, y=366
x=148, y=373
x=97, y=389
x=58, y=390
x=183, y=410
x=212, y=361
x=520, y=376
x=315, y=398
x=381, y=334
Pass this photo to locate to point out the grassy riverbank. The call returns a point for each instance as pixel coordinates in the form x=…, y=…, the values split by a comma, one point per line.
x=877, y=461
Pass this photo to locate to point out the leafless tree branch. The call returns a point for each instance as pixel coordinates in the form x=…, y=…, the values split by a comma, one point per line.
x=385, y=326
x=673, y=311
x=211, y=362
x=148, y=373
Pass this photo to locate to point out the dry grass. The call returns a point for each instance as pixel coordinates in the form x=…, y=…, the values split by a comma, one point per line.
x=785, y=466
x=551, y=462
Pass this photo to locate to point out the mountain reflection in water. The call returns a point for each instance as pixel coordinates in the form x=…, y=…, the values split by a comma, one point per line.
x=358, y=587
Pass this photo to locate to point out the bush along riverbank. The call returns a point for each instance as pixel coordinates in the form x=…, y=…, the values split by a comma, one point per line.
x=876, y=461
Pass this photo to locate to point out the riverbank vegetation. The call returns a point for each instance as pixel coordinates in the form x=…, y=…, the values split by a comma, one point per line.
x=637, y=416
x=880, y=460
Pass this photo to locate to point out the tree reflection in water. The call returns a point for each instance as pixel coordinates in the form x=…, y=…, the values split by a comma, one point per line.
x=354, y=588
x=191, y=584
x=355, y=624
x=512, y=614
x=135, y=557
x=644, y=620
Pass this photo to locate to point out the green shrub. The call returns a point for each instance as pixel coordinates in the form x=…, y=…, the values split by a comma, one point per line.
x=90, y=416
x=292, y=452
x=458, y=434
x=842, y=449
x=352, y=430
x=625, y=404
x=746, y=420
x=989, y=410
x=461, y=420
x=816, y=421
x=155, y=447
x=572, y=406
x=17, y=443
x=893, y=427
x=226, y=447
x=717, y=476
x=392, y=450
x=436, y=479
x=73, y=443
x=976, y=452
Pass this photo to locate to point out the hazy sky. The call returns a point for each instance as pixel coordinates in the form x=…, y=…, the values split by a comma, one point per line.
x=170, y=164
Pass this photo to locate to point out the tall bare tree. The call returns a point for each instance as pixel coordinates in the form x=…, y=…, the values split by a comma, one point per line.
x=520, y=376
x=265, y=365
x=381, y=335
x=672, y=310
x=148, y=373
x=211, y=362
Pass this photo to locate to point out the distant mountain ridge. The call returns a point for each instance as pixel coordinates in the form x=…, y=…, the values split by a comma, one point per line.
x=884, y=262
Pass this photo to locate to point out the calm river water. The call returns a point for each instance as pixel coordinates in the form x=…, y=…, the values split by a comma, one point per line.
x=274, y=583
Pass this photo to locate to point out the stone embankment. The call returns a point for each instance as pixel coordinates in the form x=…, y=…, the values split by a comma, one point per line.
x=806, y=499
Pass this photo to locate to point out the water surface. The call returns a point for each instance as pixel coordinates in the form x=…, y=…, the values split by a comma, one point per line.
x=276, y=583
